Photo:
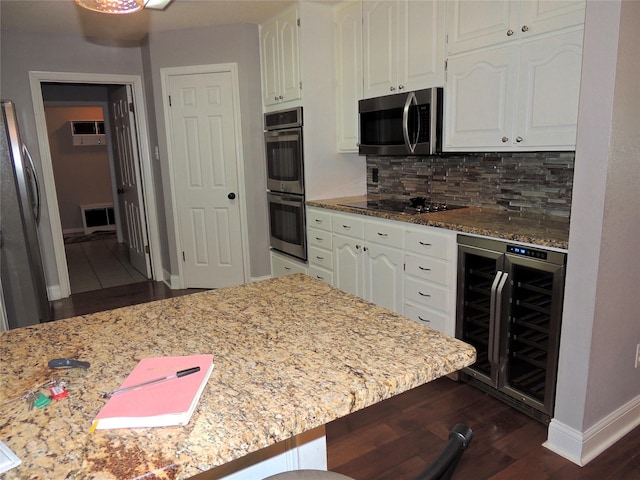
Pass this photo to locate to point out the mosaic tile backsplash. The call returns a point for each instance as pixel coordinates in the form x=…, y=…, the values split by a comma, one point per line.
x=536, y=182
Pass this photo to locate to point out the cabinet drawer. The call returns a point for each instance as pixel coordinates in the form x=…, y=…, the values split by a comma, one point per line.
x=427, y=268
x=430, y=318
x=320, y=238
x=281, y=266
x=429, y=242
x=384, y=234
x=426, y=294
x=321, y=257
x=347, y=225
x=318, y=218
x=321, y=274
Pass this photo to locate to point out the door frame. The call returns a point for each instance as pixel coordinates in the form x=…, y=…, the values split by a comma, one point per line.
x=36, y=79
x=232, y=68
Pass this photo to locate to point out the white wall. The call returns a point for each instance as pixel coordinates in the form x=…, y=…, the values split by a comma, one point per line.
x=598, y=385
x=328, y=174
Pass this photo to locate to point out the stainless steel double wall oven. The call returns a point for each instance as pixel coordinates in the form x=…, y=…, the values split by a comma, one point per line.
x=285, y=181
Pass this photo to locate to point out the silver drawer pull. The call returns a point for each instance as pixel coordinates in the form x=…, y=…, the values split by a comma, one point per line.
x=424, y=244
x=424, y=319
x=319, y=277
x=346, y=227
x=319, y=258
x=287, y=268
x=318, y=220
x=424, y=294
x=383, y=234
x=424, y=269
x=319, y=239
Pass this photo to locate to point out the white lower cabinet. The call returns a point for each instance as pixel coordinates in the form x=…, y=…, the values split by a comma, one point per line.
x=282, y=265
x=430, y=277
x=365, y=268
x=409, y=269
x=320, y=244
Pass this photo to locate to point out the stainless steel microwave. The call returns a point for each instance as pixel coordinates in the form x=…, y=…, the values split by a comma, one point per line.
x=408, y=123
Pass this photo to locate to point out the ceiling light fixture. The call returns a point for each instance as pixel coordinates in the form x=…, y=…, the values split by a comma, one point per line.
x=122, y=6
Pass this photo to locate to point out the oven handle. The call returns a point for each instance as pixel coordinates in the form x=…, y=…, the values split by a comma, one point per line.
x=292, y=200
x=411, y=99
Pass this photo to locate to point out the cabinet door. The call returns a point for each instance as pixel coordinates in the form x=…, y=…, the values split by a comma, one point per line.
x=474, y=24
x=289, y=55
x=379, y=30
x=348, y=42
x=281, y=266
x=543, y=16
x=383, y=271
x=480, y=93
x=270, y=62
x=420, y=44
x=347, y=268
x=548, y=92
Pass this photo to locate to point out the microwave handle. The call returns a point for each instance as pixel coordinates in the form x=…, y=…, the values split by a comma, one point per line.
x=411, y=99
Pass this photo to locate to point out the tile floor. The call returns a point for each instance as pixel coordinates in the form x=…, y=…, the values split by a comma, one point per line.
x=98, y=264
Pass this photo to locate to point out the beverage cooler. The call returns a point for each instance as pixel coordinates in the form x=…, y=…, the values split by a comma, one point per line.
x=510, y=309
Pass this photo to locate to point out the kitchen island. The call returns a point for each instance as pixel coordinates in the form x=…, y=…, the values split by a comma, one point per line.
x=291, y=354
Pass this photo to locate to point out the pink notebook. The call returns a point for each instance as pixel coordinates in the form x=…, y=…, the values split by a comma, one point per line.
x=171, y=402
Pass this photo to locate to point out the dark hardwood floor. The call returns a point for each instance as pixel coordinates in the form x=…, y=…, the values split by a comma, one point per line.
x=397, y=438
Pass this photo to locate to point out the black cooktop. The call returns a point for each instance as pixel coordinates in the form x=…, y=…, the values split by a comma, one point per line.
x=413, y=206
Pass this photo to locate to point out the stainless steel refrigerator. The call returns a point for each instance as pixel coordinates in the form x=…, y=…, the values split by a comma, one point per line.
x=23, y=286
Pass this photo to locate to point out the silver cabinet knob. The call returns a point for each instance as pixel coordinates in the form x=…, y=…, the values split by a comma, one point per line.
x=525, y=28
x=509, y=32
x=400, y=87
x=519, y=139
x=393, y=89
x=505, y=139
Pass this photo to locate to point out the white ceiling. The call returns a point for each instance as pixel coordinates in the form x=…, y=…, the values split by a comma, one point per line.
x=65, y=17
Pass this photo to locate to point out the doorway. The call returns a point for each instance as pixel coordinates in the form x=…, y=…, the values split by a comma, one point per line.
x=145, y=172
x=80, y=135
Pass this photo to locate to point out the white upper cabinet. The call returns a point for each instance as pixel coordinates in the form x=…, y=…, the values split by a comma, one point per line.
x=475, y=24
x=348, y=51
x=403, y=46
x=519, y=93
x=280, y=57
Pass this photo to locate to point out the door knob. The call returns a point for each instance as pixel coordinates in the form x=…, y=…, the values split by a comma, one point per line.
x=231, y=196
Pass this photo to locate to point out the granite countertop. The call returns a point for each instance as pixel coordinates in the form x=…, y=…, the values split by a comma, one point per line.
x=291, y=354
x=520, y=227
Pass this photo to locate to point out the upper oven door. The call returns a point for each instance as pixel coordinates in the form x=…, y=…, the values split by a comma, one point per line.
x=285, y=168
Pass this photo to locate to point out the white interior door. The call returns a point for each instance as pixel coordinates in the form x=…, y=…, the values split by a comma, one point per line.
x=130, y=200
x=205, y=168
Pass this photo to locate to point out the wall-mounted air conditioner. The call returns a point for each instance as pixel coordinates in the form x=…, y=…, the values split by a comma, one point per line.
x=87, y=132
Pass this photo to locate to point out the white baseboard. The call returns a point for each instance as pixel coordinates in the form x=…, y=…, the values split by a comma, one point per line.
x=53, y=292
x=172, y=281
x=582, y=447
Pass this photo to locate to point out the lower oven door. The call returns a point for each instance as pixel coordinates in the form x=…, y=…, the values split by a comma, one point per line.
x=287, y=224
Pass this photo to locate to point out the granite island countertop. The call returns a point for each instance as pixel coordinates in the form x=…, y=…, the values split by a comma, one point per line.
x=534, y=229
x=291, y=354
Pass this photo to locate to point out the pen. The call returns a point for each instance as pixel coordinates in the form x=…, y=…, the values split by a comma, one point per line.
x=178, y=374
